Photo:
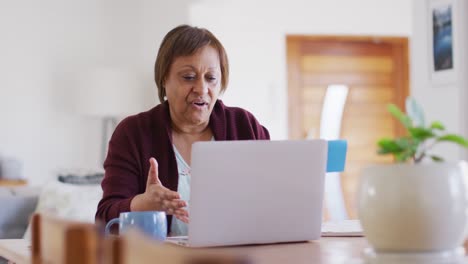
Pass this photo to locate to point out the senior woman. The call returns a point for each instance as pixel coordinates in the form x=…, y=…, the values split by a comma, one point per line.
x=148, y=163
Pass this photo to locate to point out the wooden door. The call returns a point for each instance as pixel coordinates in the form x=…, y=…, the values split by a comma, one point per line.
x=375, y=70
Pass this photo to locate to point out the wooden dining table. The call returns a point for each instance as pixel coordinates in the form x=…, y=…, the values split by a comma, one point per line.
x=325, y=250
x=347, y=250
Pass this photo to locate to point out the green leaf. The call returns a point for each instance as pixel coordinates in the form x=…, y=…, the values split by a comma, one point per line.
x=437, y=158
x=421, y=133
x=404, y=156
x=398, y=114
x=412, y=146
x=409, y=146
x=437, y=125
x=408, y=143
x=455, y=139
x=387, y=146
x=401, y=148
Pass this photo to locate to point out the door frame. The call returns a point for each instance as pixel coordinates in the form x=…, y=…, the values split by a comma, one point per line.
x=293, y=46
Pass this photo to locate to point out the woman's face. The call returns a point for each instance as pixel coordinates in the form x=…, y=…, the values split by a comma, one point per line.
x=193, y=86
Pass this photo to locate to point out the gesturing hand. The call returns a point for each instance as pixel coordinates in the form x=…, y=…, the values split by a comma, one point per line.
x=159, y=198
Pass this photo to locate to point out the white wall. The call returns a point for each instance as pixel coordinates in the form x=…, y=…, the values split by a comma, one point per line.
x=444, y=102
x=253, y=33
x=45, y=46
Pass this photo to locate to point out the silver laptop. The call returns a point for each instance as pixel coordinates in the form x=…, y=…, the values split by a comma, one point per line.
x=255, y=192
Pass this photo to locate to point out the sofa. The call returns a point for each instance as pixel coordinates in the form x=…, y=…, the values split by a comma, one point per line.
x=17, y=205
x=65, y=200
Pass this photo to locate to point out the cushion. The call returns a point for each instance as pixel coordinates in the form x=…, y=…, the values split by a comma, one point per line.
x=69, y=201
x=17, y=207
x=27, y=191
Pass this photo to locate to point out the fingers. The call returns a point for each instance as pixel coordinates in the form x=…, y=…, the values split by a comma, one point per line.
x=182, y=215
x=165, y=199
x=162, y=194
x=183, y=219
x=181, y=212
x=171, y=206
x=171, y=195
x=175, y=208
x=153, y=177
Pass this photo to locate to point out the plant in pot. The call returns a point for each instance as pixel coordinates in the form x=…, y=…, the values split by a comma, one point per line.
x=416, y=206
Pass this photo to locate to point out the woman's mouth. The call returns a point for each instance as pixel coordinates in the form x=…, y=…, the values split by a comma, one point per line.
x=199, y=104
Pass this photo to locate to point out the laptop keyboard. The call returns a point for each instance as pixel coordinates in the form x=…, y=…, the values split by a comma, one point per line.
x=179, y=240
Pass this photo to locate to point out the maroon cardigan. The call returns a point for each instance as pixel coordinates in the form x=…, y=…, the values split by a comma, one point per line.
x=140, y=137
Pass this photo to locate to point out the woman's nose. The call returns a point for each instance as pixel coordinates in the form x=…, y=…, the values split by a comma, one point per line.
x=201, y=87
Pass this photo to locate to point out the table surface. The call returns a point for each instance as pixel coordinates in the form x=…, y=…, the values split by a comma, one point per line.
x=326, y=250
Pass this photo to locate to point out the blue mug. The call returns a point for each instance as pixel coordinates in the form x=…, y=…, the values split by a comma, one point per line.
x=151, y=223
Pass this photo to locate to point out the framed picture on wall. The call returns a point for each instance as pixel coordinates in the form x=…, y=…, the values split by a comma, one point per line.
x=443, y=42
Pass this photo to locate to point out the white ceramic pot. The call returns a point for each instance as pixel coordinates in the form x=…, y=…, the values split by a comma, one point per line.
x=413, y=208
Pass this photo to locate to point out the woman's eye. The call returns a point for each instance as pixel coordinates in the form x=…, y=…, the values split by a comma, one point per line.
x=189, y=77
x=211, y=78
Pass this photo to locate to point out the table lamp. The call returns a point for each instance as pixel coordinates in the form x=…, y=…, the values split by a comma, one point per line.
x=109, y=93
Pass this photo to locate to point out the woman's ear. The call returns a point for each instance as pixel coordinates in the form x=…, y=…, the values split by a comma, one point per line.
x=163, y=86
x=164, y=94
